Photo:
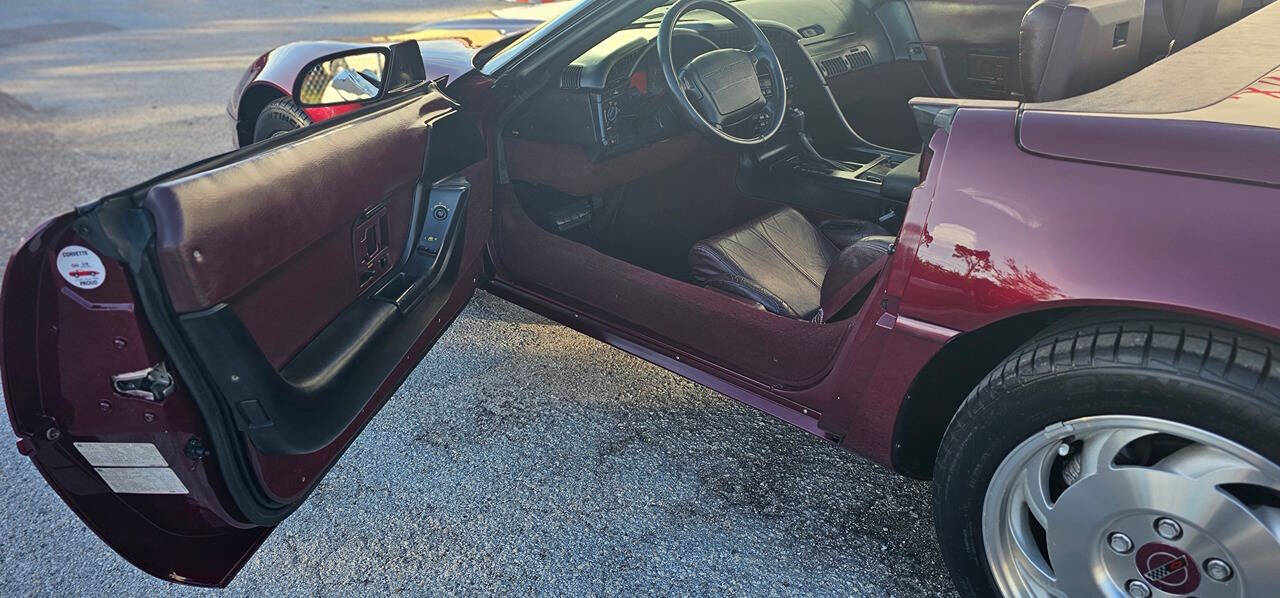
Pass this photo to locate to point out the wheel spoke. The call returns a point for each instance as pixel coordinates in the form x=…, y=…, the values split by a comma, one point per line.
x=1034, y=488
x=1035, y=571
x=1252, y=547
x=1212, y=466
x=1027, y=506
x=1101, y=448
x=1270, y=517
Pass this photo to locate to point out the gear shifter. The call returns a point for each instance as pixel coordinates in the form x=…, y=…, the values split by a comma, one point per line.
x=796, y=117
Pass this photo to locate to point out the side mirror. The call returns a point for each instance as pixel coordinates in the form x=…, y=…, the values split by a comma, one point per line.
x=359, y=76
x=343, y=79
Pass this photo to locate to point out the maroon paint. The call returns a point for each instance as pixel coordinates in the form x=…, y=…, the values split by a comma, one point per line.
x=74, y=341
x=1245, y=153
x=1008, y=232
x=1048, y=233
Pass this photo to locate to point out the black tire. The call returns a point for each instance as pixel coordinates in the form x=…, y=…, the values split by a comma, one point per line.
x=1122, y=363
x=280, y=116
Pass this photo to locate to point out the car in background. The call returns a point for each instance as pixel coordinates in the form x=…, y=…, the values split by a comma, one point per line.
x=264, y=103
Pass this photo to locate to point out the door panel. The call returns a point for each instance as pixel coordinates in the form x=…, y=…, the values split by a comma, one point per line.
x=315, y=298
x=284, y=226
x=265, y=223
x=278, y=295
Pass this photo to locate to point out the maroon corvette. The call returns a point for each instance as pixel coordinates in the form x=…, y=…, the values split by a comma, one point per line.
x=1025, y=250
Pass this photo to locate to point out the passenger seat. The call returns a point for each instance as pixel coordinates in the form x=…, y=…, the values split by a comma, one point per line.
x=1190, y=21
x=1071, y=47
x=784, y=264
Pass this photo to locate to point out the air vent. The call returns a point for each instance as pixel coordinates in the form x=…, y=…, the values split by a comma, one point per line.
x=571, y=78
x=860, y=58
x=832, y=67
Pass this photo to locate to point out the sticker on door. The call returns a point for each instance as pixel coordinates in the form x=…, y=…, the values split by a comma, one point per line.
x=131, y=467
x=121, y=454
x=141, y=480
x=81, y=267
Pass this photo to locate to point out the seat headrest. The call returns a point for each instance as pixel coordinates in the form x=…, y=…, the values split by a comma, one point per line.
x=1071, y=47
x=1190, y=21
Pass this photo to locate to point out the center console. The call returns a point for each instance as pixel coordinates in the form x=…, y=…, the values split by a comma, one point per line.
x=851, y=166
x=863, y=182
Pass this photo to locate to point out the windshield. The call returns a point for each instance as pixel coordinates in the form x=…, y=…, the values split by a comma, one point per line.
x=537, y=34
x=660, y=12
x=533, y=37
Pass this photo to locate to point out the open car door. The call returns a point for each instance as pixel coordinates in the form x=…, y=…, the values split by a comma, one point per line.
x=185, y=360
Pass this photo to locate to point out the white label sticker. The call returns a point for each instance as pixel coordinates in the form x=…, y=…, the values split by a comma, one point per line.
x=81, y=267
x=121, y=454
x=141, y=480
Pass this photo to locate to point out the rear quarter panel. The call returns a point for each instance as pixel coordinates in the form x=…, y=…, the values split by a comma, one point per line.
x=1009, y=232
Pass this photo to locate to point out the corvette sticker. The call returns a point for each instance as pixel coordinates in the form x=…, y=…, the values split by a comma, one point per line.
x=81, y=267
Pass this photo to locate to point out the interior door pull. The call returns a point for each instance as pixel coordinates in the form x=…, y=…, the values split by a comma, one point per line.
x=440, y=232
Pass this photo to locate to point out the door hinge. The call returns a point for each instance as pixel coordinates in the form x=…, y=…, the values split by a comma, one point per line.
x=153, y=384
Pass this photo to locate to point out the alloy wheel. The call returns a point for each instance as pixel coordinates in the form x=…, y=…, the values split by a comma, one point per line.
x=1133, y=506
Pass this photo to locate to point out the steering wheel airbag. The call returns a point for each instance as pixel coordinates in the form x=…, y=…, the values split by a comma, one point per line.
x=725, y=83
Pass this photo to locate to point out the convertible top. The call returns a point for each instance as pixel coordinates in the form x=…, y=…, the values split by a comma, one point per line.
x=1204, y=74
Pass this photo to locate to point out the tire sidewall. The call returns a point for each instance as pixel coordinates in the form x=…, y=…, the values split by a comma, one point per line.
x=996, y=419
x=279, y=116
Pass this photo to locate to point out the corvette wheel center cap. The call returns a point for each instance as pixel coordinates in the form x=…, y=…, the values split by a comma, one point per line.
x=1168, y=568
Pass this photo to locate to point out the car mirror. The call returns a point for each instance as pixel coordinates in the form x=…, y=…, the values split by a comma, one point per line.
x=343, y=79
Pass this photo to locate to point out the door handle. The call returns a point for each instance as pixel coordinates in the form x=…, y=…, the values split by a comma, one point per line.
x=369, y=245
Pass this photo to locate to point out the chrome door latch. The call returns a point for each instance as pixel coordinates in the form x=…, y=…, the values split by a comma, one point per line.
x=153, y=384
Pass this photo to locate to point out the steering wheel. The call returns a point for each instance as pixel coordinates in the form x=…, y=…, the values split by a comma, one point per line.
x=720, y=89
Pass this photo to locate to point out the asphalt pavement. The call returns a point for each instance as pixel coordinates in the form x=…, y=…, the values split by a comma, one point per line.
x=520, y=457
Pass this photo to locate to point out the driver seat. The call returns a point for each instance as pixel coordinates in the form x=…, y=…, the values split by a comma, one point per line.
x=782, y=263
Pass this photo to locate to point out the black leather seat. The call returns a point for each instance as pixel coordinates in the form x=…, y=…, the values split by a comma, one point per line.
x=1070, y=47
x=1155, y=32
x=1190, y=21
x=782, y=263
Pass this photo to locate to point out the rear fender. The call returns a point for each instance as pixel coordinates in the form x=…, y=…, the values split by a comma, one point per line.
x=1007, y=232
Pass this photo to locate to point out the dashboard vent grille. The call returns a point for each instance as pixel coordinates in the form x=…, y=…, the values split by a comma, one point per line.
x=860, y=58
x=571, y=78
x=832, y=67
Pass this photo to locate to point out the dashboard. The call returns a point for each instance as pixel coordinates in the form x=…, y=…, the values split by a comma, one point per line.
x=614, y=99
x=635, y=107
x=634, y=103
